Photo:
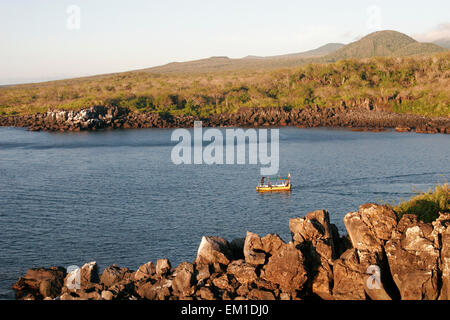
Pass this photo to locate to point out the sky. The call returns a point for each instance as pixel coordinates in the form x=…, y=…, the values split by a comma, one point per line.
x=44, y=40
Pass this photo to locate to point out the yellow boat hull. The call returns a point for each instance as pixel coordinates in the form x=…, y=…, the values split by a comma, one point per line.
x=274, y=188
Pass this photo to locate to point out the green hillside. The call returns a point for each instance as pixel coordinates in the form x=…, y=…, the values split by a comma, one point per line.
x=417, y=84
x=382, y=44
x=418, y=48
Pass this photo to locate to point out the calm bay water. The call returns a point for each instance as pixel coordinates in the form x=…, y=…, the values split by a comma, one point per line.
x=116, y=197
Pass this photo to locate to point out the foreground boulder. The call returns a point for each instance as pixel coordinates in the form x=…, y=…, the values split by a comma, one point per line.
x=413, y=259
x=160, y=289
x=113, y=275
x=40, y=283
x=354, y=281
x=242, y=271
x=213, y=250
x=163, y=266
x=145, y=271
x=253, y=249
x=318, y=240
x=348, y=277
x=285, y=268
x=183, y=280
x=370, y=228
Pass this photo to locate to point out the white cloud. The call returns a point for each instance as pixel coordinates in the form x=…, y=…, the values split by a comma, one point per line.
x=442, y=31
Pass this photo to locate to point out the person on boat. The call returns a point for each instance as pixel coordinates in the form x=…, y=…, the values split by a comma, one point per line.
x=262, y=181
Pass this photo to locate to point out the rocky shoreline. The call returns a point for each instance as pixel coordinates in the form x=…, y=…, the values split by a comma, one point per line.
x=381, y=258
x=359, y=117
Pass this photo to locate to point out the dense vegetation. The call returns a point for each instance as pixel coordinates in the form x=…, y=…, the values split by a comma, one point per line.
x=427, y=206
x=417, y=85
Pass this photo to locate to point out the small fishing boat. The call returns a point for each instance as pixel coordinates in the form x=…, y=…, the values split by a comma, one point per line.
x=282, y=184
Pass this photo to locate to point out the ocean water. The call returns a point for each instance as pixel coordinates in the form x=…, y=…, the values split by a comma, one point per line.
x=116, y=197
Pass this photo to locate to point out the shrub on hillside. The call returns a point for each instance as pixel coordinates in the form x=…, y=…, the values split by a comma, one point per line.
x=426, y=206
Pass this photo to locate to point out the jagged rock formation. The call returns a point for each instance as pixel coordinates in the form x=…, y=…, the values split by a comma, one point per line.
x=381, y=258
x=366, y=114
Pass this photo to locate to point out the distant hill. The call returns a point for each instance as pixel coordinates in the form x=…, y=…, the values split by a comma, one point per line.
x=418, y=48
x=445, y=42
x=248, y=62
x=378, y=44
x=319, y=52
x=205, y=65
x=202, y=65
x=383, y=43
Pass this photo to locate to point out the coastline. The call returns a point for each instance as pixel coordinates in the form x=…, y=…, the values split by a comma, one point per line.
x=381, y=258
x=357, y=118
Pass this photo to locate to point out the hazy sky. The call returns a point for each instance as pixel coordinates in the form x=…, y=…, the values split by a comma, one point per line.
x=51, y=39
